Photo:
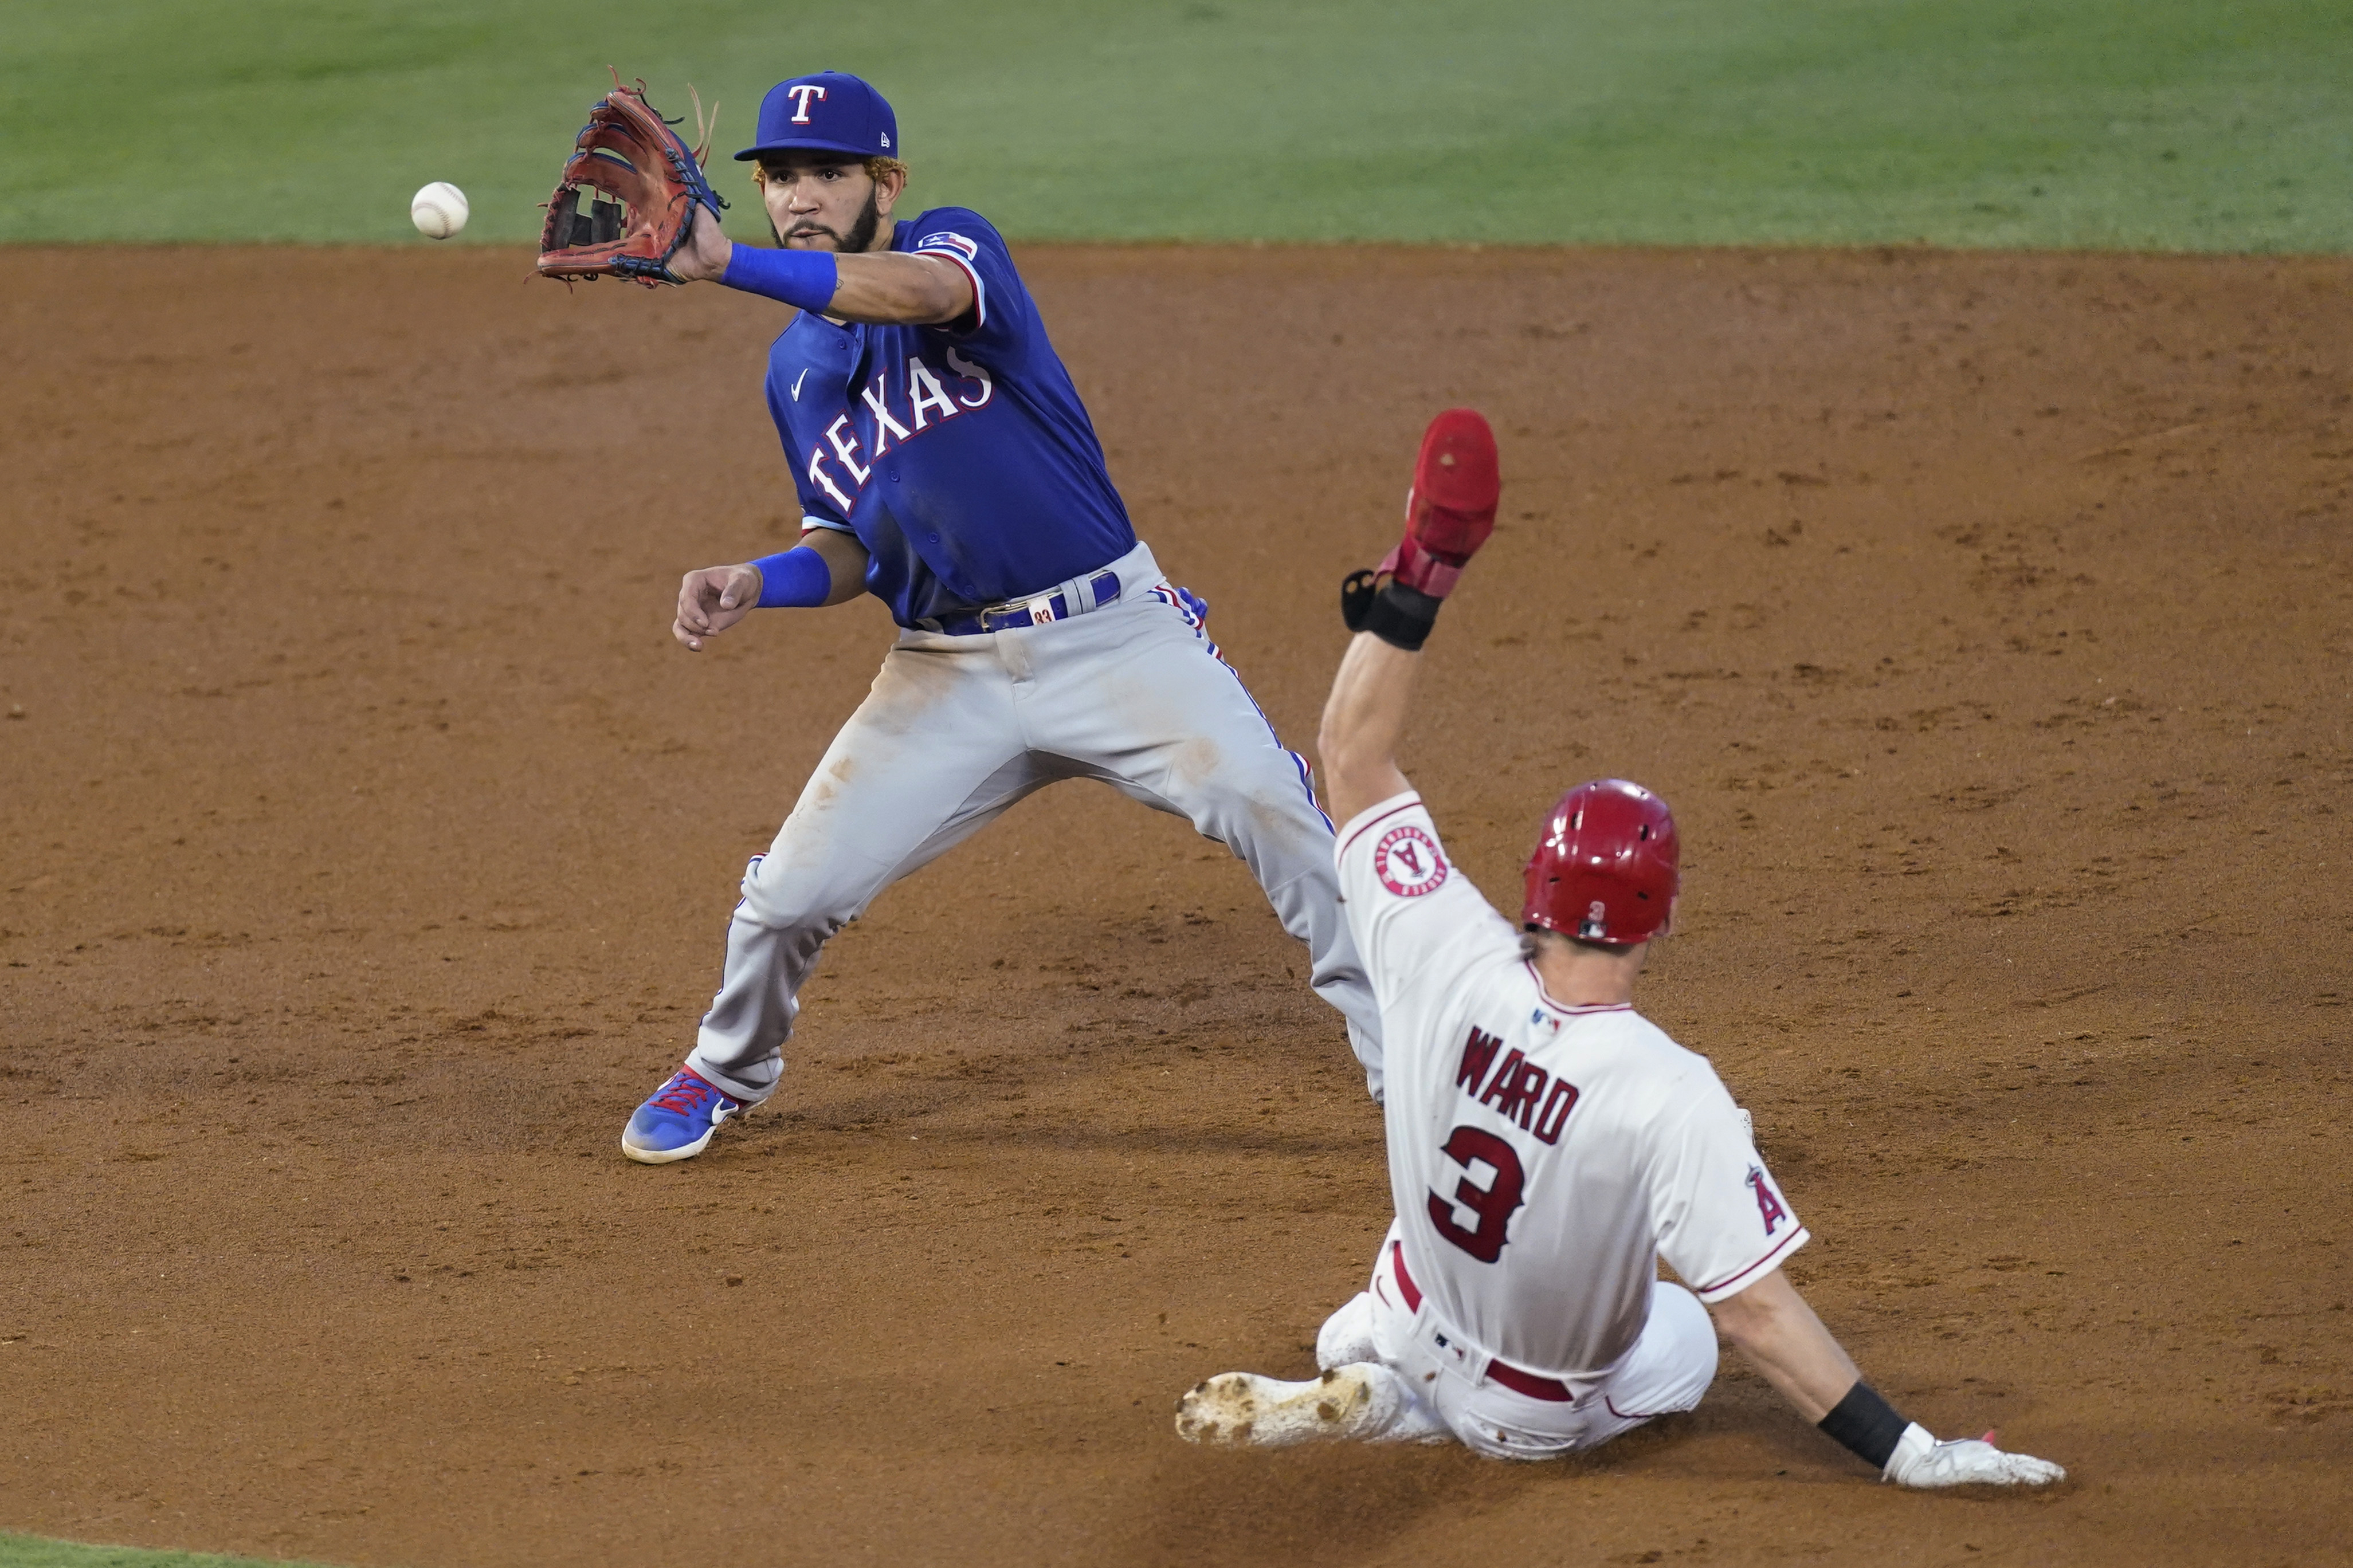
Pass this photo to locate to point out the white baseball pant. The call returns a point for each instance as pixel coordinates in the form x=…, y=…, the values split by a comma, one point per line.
x=1420, y=1384
x=957, y=728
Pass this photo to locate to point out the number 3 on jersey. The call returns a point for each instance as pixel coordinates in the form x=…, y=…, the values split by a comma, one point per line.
x=1494, y=1204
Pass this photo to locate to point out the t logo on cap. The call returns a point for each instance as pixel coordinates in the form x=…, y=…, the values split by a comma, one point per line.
x=856, y=124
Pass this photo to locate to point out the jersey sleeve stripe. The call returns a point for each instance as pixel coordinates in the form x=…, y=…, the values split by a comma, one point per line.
x=1733, y=1283
x=812, y=520
x=979, y=290
x=1379, y=813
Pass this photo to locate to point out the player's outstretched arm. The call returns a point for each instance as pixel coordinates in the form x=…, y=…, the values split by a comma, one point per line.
x=900, y=289
x=828, y=568
x=1363, y=721
x=1770, y=1324
x=1448, y=513
x=889, y=286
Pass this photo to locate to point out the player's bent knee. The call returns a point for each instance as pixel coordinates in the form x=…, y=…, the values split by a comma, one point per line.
x=1267, y=809
x=1683, y=1309
x=1685, y=1353
x=781, y=895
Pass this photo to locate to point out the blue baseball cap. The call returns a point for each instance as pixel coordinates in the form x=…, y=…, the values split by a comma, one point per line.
x=831, y=112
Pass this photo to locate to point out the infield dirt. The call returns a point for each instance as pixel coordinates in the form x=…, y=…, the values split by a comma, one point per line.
x=369, y=846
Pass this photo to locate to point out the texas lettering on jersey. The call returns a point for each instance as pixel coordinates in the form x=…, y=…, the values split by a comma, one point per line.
x=896, y=409
x=958, y=452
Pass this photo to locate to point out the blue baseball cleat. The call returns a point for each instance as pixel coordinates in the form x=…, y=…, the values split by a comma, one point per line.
x=678, y=1120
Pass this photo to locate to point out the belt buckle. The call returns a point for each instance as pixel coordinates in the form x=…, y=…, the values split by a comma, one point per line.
x=1046, y=608
x=1036, y=612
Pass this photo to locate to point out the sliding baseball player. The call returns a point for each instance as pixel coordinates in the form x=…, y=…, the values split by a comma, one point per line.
x=1547, y=1144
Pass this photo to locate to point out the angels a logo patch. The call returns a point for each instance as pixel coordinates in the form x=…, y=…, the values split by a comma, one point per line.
x=1768, y=1202
x=1408, y=862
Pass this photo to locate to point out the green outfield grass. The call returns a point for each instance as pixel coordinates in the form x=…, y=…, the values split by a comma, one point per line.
x=32, y=1552
x=2172, y=124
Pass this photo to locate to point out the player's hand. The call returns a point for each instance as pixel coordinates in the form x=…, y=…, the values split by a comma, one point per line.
x=1920, y=1460
x=712, y=600
x=704, y=256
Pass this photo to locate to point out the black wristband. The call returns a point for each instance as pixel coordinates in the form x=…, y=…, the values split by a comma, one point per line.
x=1865, y=1424
x=1402, y=616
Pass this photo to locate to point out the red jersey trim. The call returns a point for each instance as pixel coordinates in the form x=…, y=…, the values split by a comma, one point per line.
x=1357, y=829
x=979, y=290
x=1707, y=1292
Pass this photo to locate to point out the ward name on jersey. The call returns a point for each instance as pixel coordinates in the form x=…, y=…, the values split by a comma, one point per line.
x=1542, y=1157
x=960, y=454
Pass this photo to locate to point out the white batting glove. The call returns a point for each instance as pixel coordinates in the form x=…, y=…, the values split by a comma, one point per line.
x=1920, y=1460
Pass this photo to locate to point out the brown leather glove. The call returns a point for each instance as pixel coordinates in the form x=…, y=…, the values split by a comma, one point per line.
x=628, y=195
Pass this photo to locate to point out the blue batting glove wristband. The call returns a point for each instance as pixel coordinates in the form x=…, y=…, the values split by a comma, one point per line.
x=798, y=579
x=804, y=278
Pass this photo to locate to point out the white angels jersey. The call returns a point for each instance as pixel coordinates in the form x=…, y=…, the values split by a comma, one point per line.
x=1542, y=1158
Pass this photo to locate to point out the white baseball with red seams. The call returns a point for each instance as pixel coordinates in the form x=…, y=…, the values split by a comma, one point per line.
x=1542, y=1159
x=439, y=210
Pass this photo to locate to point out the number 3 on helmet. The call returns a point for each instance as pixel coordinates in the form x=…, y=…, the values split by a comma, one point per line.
x=1606, y=866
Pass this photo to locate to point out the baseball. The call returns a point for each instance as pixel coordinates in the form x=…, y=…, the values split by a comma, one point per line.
x=439, y=210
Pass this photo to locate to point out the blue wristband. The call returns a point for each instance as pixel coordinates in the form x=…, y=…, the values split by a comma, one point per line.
x=798, y=579
x=805, y=278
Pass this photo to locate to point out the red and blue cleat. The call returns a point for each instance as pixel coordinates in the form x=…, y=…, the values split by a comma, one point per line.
x=678, y=1120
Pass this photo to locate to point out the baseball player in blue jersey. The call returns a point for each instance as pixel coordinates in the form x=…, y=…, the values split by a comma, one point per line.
x=946, y=466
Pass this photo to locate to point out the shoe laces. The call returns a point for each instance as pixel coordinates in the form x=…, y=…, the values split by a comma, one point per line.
x=684, y=1093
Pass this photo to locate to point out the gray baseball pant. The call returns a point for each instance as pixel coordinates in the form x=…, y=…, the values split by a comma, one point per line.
x=957, y=728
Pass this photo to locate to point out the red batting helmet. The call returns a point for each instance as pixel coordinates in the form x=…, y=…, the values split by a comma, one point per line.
x=1605, y=866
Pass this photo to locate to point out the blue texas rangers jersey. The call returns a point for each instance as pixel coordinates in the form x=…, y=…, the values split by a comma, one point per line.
x=959, y=454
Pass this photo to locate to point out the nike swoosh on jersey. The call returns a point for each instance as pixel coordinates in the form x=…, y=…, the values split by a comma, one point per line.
x=797, y=382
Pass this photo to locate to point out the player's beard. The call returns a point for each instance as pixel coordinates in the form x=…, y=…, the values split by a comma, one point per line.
x=860, y=238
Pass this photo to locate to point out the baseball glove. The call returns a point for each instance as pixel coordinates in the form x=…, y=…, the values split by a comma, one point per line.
x=628, y=195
